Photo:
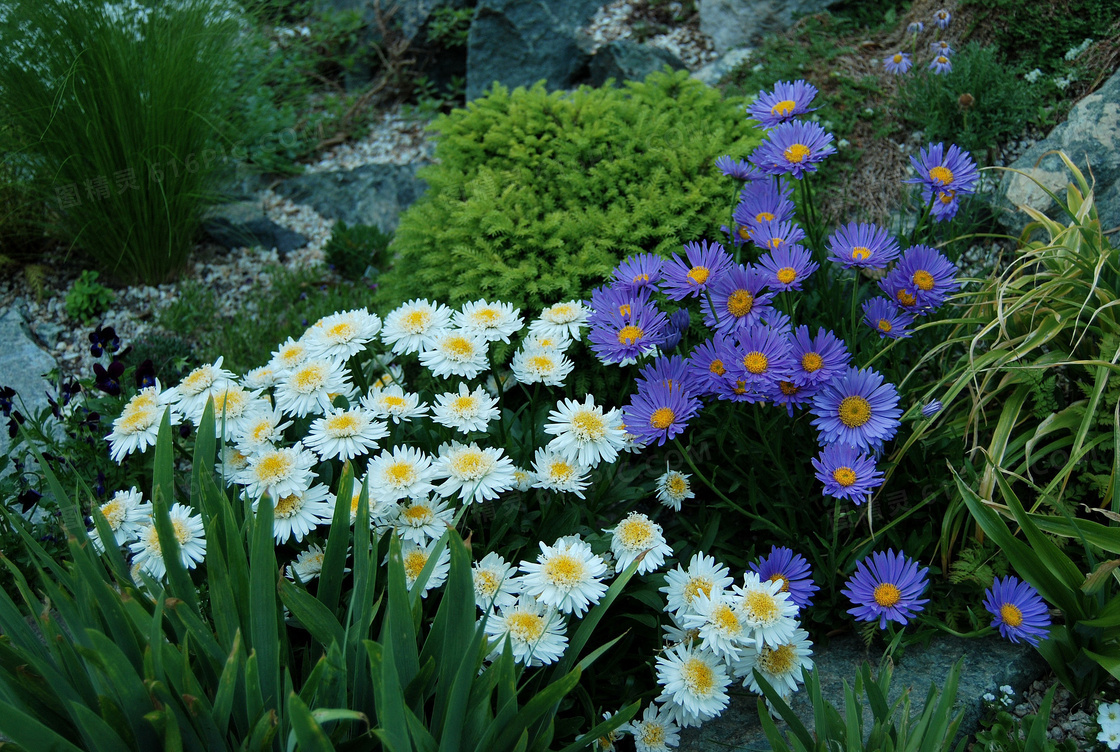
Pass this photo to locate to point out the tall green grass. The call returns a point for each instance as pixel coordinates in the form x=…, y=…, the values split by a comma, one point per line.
x=118, y=109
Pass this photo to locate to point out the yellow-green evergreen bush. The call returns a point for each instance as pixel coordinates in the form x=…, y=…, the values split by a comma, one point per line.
x=537, y=196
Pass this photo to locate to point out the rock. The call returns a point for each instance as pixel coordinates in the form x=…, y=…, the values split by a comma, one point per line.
x=988, y=663
x=23, y=367
x=716, y=71
x=626, y=60
x=520, y=42
x=740, y=23
x=243, y=223
x=373, y=194
x=1090, y=137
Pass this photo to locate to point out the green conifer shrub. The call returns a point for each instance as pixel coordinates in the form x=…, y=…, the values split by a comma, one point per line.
x=537, y=196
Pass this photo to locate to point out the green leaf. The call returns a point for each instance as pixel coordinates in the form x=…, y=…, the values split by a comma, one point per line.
x=306, y=728
x=202, y=463
x=312, y=614
x=29, y=734
x=338, y=538
x=263, y=620
x=604, y=727
x=392, y=725
x=398, y=635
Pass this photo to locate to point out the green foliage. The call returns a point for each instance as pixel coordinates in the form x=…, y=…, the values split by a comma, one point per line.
x=117, y=117
x=893, y=725
x=1008, y=733
x=1002, y=102
x=358, y=250
x=448, y=27
x=88, y=298
x=1038, y=35
x=537, y=196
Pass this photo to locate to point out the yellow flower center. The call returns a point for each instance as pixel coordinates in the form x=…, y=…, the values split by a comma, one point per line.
x=777, y=661
x=485, y=582
x=563, y=571
x=724, y=619
x=400, y=473
x=744, y=232
x=487, y=317
x=845, y=476
x=541, y=363
x=635, y=533
x=940, y=174
x=197, y=380
x=560, y=471
x=624, y=310
x=470, y=464
x=780, y=578
x=898, y=57
x=797, y=153
x=588, y=425
x=811, y=362
x=854, y=411
x=717, y=367
x=1011, y=614
x=630, y=334
x=788, y=388
x=662, y=418
x=756, y=362
x=884, y=326
x=923, y=280
x=291, y=353
x=561, y=313
x=417, y=515
x=273, y=467
x=288, y=506
x=695, y=586
x=698, y=275
x=392, y=400
x=905, y=298
x=464, y=404
x=310, y=377
x=526, y=627
x=887, y=594
x=698, y=677
x=861, y=253
x=134, y=422
x=786, y=275
x=415, y=322
x=459, y=348
x=677, y=484
x=640, y=278
x=740, y=387
x=341, y=331
x=783, y=108
x=414, y=562
x=343, y=425
x=942, y=60
x=946, y=197
x=740, y=303
x=764, y=216
x=762, y=606
x=114, y=514
x=652, y=735
x=775, y=242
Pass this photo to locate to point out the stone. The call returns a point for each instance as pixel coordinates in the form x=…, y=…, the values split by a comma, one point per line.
x=24, y=364
x=626, y=60
x=243, y=223
x=520, y=42
x=1090, y=137
x=732, y=24
x=988, y=663
x=373, y=194
x=717, y=70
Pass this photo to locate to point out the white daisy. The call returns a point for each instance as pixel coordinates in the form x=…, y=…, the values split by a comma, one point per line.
x=308, y=564
x=1110, y=736
x=466, y=410
x=455, y=352
x=262, y=377
x=262, y=428
x=148, y=554
x=1108, y=713
x=414, y=325
x=695, y=684
x=561, y=319
x=491, y=321
x=676, y=634
x=779, y=664
x=718, y=623
x=422, y=520
x=392, y=402
x=495, y=585
x=544, y=366
x=381, y=513
x=278, y=472
x=232, y=462
x=345, y=434
x=298, y=513
x=536, y=632
x=769, y=613
x=289, y=355
x=554, y=472
x=476, y=474
x=567, y=575
x=704, y=575
x=126, y=513
x=416, y=558
x=606, y=742
x=198, y=386
x=233, y=407
x=135, y=429
x=656, y=732
x=311, y=386
x=541, y=341
x=403, y=473
x=632, y=536
x=673, y=488
x=341, y=335
x=391, y=375
x=584, y=433
x=507, y=379
x=523, y=479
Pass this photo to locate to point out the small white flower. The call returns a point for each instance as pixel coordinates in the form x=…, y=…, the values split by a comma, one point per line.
x=289, y=355
x=126, y=513
x=277, y=472
x=523, y=479
x=704, y=575
x=780, y=664
x=718, y=623
x=536, y=632
x=673, y=488
x=695, y=684
x=381, y=513
x=298, y=513
x=1111, y=737
x=403, y=473
x=507, y=380
x=345, y=434
x=414, y=325
x=1007, y=689
x=261, y=429
x=495, y=585
x=561, y=319
x=632, y=536
x=392, y=375
x=1108, y=714
x=308, y=564
x=989, y=697
x=196, y=388
x=554, y=472
x=262, y=377
x=422, y=520
x=466, y=410
x=656, y=732
x=455, y=352
x=416, y=558
x=232, y=462
x=474, y=473
x=566, y=575
x=544, y=366
x=1033, y=76
x=233, y=408
x=148, y=554
x=341, y=335
x=767, y=611
x=392, y=402
x=492, y=321
x=540, y=341
x=584, y=433
x=311, y=386
x=135, y=429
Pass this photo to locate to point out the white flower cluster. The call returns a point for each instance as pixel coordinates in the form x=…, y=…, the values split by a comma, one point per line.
x=1108, y=717
x=1075, y=52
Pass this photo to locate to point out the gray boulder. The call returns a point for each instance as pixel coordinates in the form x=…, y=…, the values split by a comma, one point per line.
x=988, y=664
x=243, y=223
x=743, y=23
x=1090, y=137
x=715, y=71
x=374, y=194
x=520, y=42
x=23, y=366
x=626, y=60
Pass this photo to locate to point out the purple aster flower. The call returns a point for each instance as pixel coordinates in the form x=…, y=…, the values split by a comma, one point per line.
x=941, y=48
x=896, y=285
x=786, y=102
x=764, y=200
x=679, y=321
x=818, y=360
x=708, y=363
x=887, y=319
x=706, y=263
x=793, y=149
x=944, y=170
x=737, y=168
x=942, y=18
x=915, y=27
x=859, y=408
x=783, y=565
x=931, y=408
x=862, y=246
x=639, y=272
x=623, y=338
x=763, y=357
x=738, y=390
x=779, y=322
x=927, y=277
x=847, y=473
x=941, y=65
x=788, y=267
x=658, y=412
x=787, y=394
x=945, y=206
x=619, y=300
x=669, y=371
x=737, y=300
x=772, y=234
x=886, y=587
x=1018, y=610
x=898, y=63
